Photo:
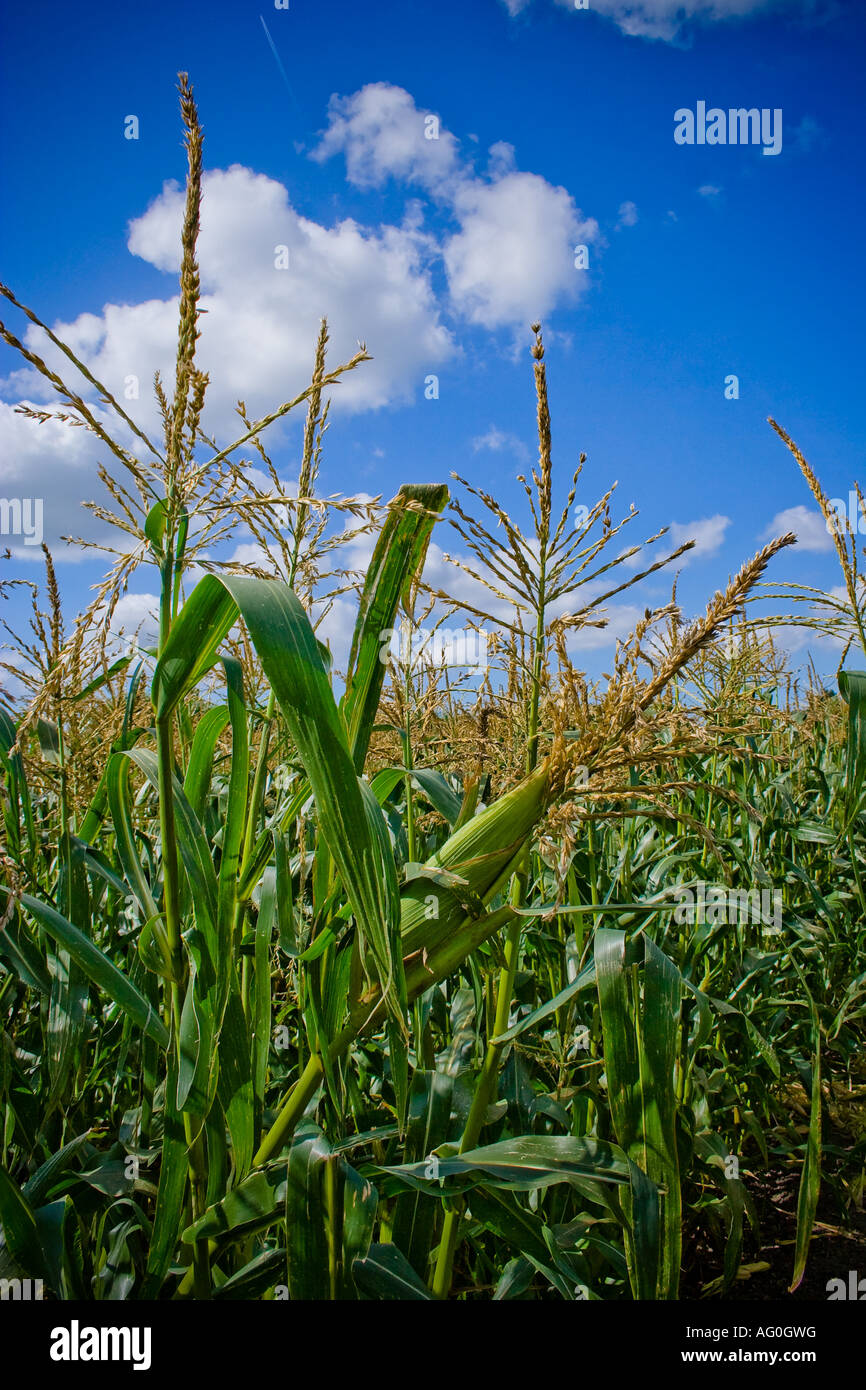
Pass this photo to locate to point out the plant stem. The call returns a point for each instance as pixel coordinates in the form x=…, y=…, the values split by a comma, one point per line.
x=196, y=1155
x=485, y=1091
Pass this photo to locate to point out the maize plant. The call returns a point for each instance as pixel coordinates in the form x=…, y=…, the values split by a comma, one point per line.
x=339, y=987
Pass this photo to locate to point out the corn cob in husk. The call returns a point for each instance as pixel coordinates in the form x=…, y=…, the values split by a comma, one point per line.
x=482, y=853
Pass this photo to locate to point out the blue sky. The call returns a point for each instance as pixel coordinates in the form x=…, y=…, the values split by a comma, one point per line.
x=555, y=129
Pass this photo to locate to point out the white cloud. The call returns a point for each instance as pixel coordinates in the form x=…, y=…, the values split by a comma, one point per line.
x=808, y=526
x=383, y=134
x=709, y=190
x=501, y=159
x=498, y=440
x=136, y=617
x=54, y=464
x=708, y=533
x=506, y=241
x=257, y=336
x=335, y=629
x=261, y=322
x=512, y=259
x=627, y=214
x=371, y=284
x=666, y=19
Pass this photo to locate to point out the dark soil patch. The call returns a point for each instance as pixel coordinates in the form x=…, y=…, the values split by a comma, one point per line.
x=838, y=1245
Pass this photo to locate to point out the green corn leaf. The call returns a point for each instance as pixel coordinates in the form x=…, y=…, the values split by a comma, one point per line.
x=643, y=1236
x=516, y=1278
x=385, y=1274
x=168, y=1217
x=524, y=1164
x=584, y=980
x=502, y=1212
x=360, y=1201
x=101, y=971
x=658, y=1054
x=385, y=781
x=439, y=793
x=255, y=1278
x=262, y=989
x=18, y=809
x=209, y=959
x=196, y=783
x=429, y=1115
x=235, y=821
x=20, y=1229
x=310, y=1246
x=37, y=1188
x=397, y=558
x=19, y=953
x=256, y=1203
x=349, y=816
x=852, y=687
x=155, y=523
x=284, y=907
x=117, y=790
x=235, y=1080
x=102, y=679
x=810, y=1176
x=640, y=1049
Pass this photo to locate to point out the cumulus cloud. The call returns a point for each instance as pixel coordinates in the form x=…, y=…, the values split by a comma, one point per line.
x=257, y=334
x=497, y=441
x=263, y=305
x=627, y=214
x=808, y=526
x=621, y=619
x=335, y=627
x=709, y=190
x=505, y=240
x=383, y=134
x=136, y=619
x=512, y=256
x=708, y=533
x=667, y=19
x=53, y=465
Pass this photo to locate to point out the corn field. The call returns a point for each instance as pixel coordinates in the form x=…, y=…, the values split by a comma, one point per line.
x=378, y=985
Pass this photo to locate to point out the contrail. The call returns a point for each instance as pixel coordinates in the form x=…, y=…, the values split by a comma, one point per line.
x=283, y=72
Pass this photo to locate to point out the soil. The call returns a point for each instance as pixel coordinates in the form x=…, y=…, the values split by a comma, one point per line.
x=838, y=1245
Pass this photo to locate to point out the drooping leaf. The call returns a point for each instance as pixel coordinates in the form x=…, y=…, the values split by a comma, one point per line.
x=386, y=1274
x=349, y=816
x=397, y=558
x=101, y=971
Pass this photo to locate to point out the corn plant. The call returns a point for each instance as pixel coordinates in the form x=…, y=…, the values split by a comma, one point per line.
x=321, y=988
